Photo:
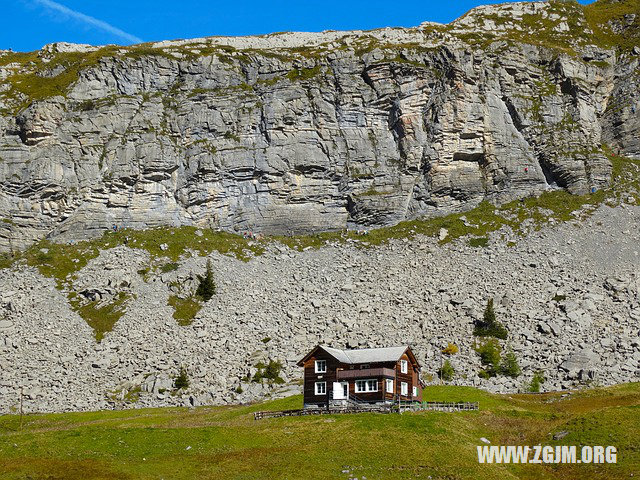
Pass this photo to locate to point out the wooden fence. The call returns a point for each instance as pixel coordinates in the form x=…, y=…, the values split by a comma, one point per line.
x=320, y=411
x=437, y=406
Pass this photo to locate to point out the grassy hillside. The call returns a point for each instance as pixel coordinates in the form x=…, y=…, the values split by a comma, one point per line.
x=226, y=443
x=615, y=23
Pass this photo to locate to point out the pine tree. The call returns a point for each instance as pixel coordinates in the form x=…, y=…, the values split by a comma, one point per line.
x=489, y=326
x=490, y=357
x=489, y=316
x=446, y=372
x=182, y=380
x=536, y=382
x=207, y=287
x=509, y=365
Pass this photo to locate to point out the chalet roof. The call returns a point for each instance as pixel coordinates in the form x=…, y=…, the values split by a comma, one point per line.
x=366, y=355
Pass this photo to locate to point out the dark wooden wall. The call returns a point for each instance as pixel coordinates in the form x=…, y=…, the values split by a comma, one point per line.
x=311, y=377
x=411, y=377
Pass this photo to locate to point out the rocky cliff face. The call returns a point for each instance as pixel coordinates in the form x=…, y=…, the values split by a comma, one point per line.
x=304, y=132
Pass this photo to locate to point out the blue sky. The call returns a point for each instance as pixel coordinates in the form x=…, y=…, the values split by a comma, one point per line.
x=29, y=24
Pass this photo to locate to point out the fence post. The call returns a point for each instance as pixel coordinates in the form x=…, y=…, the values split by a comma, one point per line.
x=21, y=395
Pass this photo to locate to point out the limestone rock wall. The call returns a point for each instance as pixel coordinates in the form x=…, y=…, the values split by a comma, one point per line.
x=292, y=133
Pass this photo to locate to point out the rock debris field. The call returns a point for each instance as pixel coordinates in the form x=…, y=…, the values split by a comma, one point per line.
x=568, y=294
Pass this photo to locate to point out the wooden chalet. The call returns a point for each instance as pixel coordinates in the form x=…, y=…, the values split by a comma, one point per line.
x=334, y=377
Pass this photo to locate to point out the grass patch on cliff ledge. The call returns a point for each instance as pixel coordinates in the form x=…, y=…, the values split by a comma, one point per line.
x=226, y=443
x=61, y=261
x=41, y=75
x=558, y=206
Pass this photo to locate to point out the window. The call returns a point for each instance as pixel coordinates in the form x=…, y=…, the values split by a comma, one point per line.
x=321, y=388
x=404, y=388
x=389, y=386
x=364, y=365
x=403, y=366
x=365, y=386
x=415, y=391
x=321, y=366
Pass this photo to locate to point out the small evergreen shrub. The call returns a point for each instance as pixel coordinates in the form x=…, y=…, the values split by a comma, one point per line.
x=509, y=365
x=272, y=371
x=182, y=380
x=536, y=382
x=86, y=106
x=169, y=267
x=207, y=287
x=447, y=372
x=490, y=356
x=269, y=372
x=489, y=326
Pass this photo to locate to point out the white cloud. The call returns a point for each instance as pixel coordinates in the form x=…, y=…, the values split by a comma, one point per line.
x=89, y=20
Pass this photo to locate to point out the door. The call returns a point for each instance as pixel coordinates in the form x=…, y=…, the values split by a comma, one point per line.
x=340, y=390
x=337, y=391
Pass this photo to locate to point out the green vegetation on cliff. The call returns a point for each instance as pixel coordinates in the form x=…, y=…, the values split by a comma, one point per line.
x=43, y=75
x=101, y=317
x=569, y=26
x=615, y=23
x=61, y=262
x=40, y=75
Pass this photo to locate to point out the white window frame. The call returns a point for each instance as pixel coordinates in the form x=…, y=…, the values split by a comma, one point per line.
x=324, y=387
x=367, y=385
x=415, y=391
x=318, y=365
x=404, y=389
x=404, y=366
x=389, y=383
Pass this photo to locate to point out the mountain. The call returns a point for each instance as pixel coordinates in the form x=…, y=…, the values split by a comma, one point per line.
x=300, y=132
x=305, y=132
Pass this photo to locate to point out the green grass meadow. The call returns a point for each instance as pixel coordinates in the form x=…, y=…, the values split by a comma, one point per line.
x=227, y=443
